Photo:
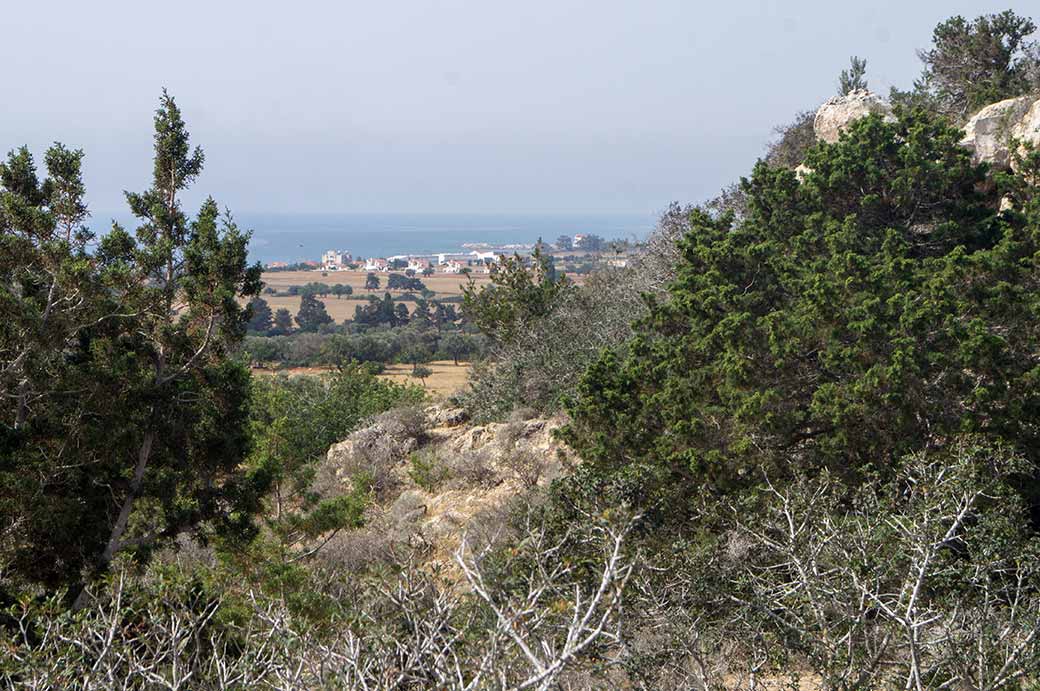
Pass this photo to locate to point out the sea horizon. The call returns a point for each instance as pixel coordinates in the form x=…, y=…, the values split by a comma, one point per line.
x=302, y=236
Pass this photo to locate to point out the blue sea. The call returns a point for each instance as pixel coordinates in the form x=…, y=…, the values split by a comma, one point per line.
x=298, y=237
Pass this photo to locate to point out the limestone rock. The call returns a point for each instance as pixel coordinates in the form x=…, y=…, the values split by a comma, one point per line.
x=386, y=440
x=486, y=467
x=1028, y=128
x=989, y=132
x=837, y=113
x=438, y=416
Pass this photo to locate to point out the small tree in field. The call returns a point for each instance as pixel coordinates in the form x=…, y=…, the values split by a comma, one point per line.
x=421, y=372
x=371, y=282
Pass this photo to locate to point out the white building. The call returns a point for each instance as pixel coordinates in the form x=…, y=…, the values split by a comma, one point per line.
x=335, y=260
x=376, y=264
x=486, y=257
x=451, y=267
x=417, y=265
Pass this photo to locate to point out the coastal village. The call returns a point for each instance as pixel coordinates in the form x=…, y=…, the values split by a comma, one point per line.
x=480, y=260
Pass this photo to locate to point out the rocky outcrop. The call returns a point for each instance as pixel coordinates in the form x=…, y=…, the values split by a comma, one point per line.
x=437, y=476
x=837, y=113
x=989, y=132
x=1028, y=128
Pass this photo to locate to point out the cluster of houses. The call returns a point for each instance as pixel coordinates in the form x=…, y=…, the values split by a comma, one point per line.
x=478, y=262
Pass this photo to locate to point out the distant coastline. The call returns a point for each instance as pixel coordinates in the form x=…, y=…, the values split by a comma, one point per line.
x=303, y=237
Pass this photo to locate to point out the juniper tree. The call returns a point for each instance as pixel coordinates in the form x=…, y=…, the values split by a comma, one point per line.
x=880, y=307
x=134, y=406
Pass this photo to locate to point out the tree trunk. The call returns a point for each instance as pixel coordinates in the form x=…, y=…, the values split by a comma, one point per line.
x=113, y=546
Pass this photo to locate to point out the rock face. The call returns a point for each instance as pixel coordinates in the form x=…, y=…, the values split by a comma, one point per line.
x=1028, y=128
x=472, y=473
x=387, y=439
x=836, y=114
x=989, y=132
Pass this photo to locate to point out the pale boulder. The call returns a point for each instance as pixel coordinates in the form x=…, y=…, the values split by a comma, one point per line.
x=1028, y=128
x=989, y=132
x=837, y=113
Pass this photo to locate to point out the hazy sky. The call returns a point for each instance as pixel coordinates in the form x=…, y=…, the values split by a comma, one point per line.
x=443, y=105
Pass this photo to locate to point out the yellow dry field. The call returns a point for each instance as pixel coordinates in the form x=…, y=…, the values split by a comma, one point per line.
x=442, y=284
x=447, y=378
x=338, y=308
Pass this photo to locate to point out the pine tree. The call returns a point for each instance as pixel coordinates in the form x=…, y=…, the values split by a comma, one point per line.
x=312, y=315
x=853, y=79
x=260, y=315
x=283, y=322
x=972, y=64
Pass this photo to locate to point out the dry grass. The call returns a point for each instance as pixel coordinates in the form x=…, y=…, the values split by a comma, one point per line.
x=442, y=284
x=339, y=309
x=447, y=378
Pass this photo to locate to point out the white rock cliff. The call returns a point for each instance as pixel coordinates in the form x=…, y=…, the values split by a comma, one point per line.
x=836, y=114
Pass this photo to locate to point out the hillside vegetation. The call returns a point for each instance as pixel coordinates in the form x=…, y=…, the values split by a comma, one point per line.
x=795, y=445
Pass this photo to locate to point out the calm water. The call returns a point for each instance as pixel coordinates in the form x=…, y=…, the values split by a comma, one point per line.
x=297, y=237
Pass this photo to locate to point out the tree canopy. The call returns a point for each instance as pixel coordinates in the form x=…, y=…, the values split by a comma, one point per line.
x=882, y=306
x=973, y=63
x=128, y=418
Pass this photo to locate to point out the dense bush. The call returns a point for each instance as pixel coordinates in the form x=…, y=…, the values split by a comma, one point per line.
x=294, y=420
x=880, y=307
x=545, y=332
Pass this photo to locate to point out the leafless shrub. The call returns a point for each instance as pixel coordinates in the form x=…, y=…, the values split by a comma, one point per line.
x=471, y=469
x=411, y=632
x=919, y=585
x=792, y=141
x=522, y=414
x=375, y=451
x=406, y=422
x=511, y=432
x=354, y=551
x=527, y=466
